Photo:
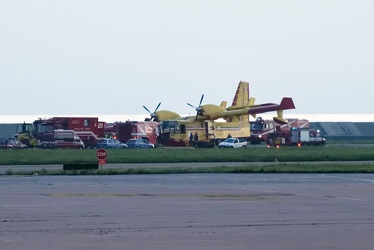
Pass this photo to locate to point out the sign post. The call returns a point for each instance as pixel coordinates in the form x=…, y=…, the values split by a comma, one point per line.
x=101, y=155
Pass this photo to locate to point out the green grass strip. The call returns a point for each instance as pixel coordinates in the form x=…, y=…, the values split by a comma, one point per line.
x=278, y=168
x=177, y=155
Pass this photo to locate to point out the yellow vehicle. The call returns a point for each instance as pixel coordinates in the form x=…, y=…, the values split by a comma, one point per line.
x=25, y=133
x=212, y=123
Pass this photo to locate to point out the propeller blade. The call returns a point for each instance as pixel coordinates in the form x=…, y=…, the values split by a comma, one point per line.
x=191, y=105
x=147, y=109
x=197, y=114
x=157, y=107
x=201, y=100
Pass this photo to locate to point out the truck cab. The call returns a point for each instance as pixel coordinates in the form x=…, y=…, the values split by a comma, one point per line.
x=25, y=133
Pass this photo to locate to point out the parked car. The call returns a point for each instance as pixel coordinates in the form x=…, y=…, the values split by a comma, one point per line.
x=11, y=143
x=139, y=143
x=110, y=143
x=233, y=143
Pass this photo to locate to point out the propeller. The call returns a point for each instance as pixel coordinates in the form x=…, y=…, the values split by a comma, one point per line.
x=153, y=115
x=198, y=109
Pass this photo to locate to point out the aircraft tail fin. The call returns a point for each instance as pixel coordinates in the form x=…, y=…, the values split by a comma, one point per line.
x=241, y=96
x=241, y=99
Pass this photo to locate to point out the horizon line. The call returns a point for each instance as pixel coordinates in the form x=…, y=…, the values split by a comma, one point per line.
x=110, y=118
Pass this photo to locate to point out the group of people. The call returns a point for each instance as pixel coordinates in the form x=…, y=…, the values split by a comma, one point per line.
x=193, y=138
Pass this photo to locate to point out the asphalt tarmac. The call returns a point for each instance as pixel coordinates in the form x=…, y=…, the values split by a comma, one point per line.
x=190, y=211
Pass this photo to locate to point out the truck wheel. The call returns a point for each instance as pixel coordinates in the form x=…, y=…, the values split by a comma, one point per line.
x=26, y=142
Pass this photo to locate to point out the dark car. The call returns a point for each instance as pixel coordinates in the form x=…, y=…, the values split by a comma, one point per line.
x=110, y=143
x=11, y=143
x=139, y=143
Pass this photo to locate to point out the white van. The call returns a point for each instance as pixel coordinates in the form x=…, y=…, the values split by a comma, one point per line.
x=63, y=139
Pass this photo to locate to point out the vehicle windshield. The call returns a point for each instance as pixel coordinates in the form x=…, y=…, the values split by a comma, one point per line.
x=101, y=141
x=24, y=128
x=255, y=126
x=45, y=128
x=230, y=140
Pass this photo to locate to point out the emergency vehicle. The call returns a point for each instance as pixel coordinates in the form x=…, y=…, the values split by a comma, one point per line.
x=296, y=137
x=61, y=138
x=124, y=131
x=261, y=130
x=88, y=129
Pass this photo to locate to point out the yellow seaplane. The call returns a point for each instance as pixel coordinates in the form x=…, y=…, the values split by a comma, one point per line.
x=212, y=123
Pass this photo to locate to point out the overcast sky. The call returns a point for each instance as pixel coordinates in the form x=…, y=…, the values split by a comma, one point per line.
x=112, y=57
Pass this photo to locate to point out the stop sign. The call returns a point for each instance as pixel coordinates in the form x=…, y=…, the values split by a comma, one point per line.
x=101, y=154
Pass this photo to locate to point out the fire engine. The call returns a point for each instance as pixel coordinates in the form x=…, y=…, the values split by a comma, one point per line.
x=296, y=137
x=89, y=129
x=261, y=130
x=124, y=131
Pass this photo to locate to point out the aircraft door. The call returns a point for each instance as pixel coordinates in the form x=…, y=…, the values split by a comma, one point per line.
x=206, y=130
x=183, y=129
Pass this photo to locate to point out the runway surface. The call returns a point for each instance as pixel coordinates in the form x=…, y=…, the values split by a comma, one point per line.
x=191, y=211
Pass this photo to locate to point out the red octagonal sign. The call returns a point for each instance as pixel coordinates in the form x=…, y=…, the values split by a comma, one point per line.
x=101, y=154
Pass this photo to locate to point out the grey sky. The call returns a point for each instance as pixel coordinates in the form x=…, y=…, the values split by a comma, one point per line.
x=112, y=57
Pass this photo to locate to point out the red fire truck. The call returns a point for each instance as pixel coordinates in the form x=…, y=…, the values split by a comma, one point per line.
x=89, y=129
x=296, y=137
x=124, y=131
x=261, y=130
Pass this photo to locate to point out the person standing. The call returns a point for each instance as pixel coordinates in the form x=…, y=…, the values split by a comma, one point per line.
x=191, y=139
